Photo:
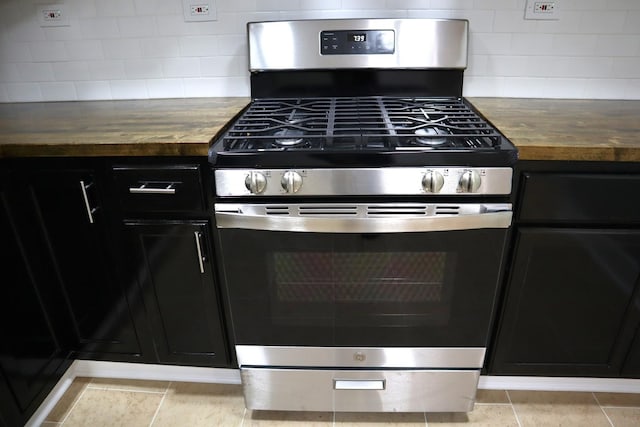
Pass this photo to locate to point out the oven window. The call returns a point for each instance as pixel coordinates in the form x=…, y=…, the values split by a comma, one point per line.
x=362, y=277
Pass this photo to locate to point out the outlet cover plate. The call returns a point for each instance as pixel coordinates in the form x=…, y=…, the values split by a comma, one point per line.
x=542, y=10
x=199, y=10
x=52, y=15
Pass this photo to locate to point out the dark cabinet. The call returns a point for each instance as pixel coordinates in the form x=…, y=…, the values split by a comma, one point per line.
x=173, y=267
x=32, y=355
x=572, y=298
x=166, y=251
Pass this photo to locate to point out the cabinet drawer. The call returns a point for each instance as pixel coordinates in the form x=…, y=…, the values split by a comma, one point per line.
x=159, y=189
x=580, y=198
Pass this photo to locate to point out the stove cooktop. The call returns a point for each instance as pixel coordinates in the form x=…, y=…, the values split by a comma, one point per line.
x=302, y=129
x=367, y=123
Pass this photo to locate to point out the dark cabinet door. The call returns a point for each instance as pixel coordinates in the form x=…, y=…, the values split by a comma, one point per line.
x=172, y=263
x=70, y=211
x=31, y=355
x=631, y=368
x=568, y=310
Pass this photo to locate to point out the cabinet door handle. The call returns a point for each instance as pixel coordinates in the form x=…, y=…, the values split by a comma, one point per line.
x=84, y=187
x=198, y=236
x=143, y=189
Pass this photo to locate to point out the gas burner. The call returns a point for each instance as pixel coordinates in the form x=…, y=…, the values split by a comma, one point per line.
x=288, y=137
x=429, y=136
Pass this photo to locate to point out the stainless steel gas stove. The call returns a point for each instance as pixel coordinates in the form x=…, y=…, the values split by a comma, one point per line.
x=362, y=207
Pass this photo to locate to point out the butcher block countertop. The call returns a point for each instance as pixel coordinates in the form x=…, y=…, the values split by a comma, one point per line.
x=542, y=129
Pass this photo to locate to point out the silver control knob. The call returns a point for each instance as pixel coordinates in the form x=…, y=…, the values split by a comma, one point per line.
x=291, y=181
x=469, y=181
x=432, y=181
x=256, y=182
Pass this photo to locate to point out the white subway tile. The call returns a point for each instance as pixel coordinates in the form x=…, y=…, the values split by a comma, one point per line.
x=48, y=51
x=137, y=26
x=93, y=90
x=582, y=67
x=477, y=65
x=623, y=4
x=4, y=95
x=174, y=25
x=181, y=67
x=121, y=49
x=574, y=44
x=452, y=4
x=632, y=23
x=83, y=8
x=499, y=4
x=14, y=52
x=216, y=86
x=58, y=91
x=115, y=8
x=512, y=21
x=322, y=4
x=540, y=66
x=157, y=7
x=35, y=71
x=507, y=66
x=71, y=71
x=612, y=89
x=84, y=49
x=220, y=66
x=364, y=4
x=232, y=45
x=9, y=72
x=408, y=4
x=267, y=5
x=531, y=44
x=24, y=30
x=71, y=32
x=584, y=4
x=618, y=45
x=568, y=22
x=626, y=68
x=490, y=43
x=199, y=46
x=603, y=22
x=160, y=47
x=99, y=28
x=129, y=89
x=147, y=68
x=165, y=88
x=228, y=23
x=106, y=70
x=237, y=5
x=24, y=92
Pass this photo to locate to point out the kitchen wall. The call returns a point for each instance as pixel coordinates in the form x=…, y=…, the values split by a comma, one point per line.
x=120, y=49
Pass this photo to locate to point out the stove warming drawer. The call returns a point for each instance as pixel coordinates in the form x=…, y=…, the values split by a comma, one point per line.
x=438, y=390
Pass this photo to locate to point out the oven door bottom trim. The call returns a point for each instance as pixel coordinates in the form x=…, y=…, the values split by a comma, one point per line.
x=360, y=390
x=361, y=357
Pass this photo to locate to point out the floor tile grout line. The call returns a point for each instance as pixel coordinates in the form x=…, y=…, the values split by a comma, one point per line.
x=602, y=409
x=513, y=408
x=155, y=415
x=74, y=404
x=125, y=389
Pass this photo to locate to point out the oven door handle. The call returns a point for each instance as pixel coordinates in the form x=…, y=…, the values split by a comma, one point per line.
x=241, y=217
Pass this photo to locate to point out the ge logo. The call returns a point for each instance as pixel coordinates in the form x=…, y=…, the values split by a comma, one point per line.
x=359, y=356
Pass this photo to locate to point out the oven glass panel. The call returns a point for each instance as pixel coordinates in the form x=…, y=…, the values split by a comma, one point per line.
x=410, y=289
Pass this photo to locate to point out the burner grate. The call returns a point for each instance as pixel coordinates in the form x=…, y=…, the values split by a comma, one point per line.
x=375, y=123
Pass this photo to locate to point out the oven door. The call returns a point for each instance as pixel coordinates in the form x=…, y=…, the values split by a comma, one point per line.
x=358, y=276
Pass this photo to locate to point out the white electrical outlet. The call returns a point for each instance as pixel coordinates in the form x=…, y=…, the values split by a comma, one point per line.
x=52, y=15
x=199, y=10
x=541, y=10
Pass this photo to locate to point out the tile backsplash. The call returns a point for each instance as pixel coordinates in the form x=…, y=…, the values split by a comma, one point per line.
x=126, y=49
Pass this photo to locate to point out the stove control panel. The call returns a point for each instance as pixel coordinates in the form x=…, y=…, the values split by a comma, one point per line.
x=364, y=181
x=358, y=42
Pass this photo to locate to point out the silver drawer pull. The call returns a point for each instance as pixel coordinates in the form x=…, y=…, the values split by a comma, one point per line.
x=358, y=384
x=143, y=189
x=90, y=211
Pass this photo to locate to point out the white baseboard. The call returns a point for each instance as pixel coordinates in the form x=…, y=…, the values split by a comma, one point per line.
x=140, y=371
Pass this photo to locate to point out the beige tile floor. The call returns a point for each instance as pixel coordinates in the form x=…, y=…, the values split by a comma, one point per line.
x=109, y=402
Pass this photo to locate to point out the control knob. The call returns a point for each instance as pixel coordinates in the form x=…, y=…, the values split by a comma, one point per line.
x=432, y=181
x=291, y=181
x=469, y=181
x=256, y=182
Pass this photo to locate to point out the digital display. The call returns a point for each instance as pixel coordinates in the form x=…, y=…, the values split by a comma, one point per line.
x=357, y=37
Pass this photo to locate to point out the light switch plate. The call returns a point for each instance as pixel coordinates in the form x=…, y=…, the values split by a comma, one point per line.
x=52, y=15
x=199, y=10
x=542, y=10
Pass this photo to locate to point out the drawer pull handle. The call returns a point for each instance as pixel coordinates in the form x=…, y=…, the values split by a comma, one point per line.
x=90, y=211
x=143, y=189
x=201, y=258
x=359, y=384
